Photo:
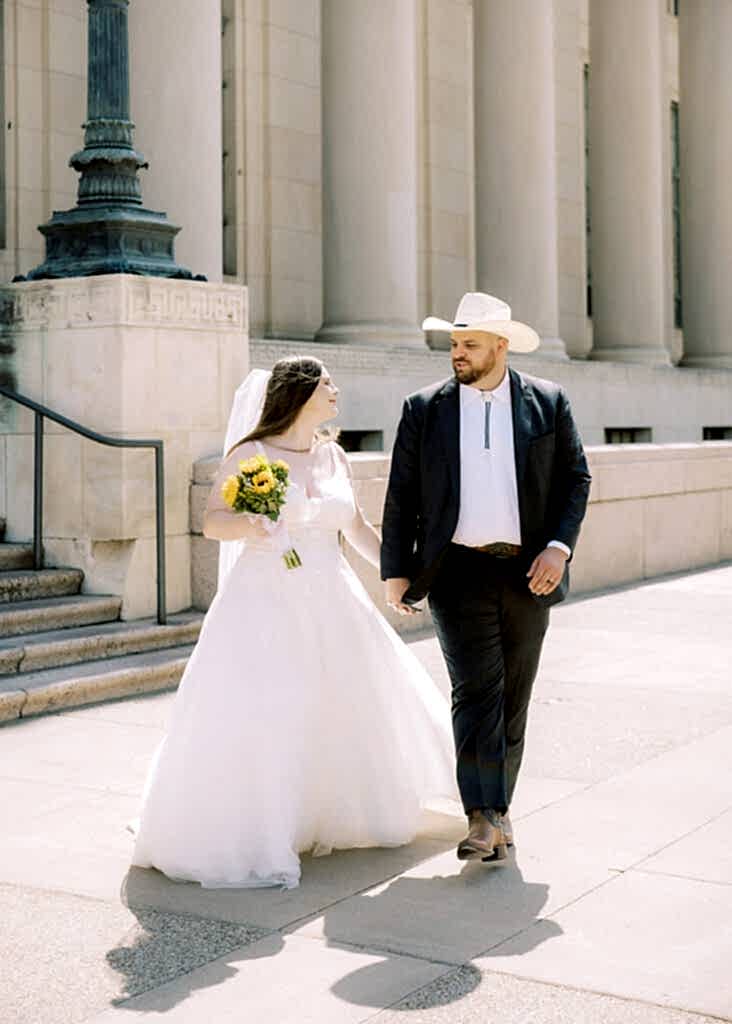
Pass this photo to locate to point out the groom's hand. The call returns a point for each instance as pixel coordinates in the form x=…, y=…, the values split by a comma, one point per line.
x=546, y=571
x=396, y=588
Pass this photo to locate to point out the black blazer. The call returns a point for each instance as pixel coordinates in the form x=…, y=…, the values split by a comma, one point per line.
x=423, y=496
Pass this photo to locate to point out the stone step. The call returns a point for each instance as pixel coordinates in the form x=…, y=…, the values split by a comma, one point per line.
x=28, y=584
x=54, y=689
x=15, y=556
x=22, y=617
x=36, y=651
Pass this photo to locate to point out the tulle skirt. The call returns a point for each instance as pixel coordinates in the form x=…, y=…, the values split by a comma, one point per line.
x=302, y=723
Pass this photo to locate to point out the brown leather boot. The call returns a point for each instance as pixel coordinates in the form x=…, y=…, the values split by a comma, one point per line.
x=507, y=828
x=485, y=839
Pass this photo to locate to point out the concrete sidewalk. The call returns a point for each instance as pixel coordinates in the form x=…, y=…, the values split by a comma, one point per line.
x=617, y=906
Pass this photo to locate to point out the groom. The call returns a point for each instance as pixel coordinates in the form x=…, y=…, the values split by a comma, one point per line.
x=487, y=491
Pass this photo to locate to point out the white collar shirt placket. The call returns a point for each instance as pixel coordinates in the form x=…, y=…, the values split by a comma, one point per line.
x=489, y=510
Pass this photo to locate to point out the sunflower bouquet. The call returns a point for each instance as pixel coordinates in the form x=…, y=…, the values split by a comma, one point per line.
x=260, y=489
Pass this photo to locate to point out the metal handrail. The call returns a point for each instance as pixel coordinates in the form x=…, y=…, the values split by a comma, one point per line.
x=43, y=412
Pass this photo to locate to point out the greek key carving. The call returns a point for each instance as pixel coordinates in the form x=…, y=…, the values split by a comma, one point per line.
x=113, y=299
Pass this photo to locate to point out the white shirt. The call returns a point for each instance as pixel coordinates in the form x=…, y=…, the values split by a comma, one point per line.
x=489, y=509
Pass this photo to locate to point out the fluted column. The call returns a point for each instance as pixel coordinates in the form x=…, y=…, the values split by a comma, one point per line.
x=175, y=85
x=369, y=88
x=631, y=289
x=705, y=115
x=515, y=154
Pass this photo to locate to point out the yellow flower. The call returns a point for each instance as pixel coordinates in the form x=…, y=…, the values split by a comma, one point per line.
x=263, y=482
x=252, y=465
x=281, y=464
x=230, y=490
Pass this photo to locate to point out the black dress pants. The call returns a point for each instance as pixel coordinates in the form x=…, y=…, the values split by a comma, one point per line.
x=490, y=631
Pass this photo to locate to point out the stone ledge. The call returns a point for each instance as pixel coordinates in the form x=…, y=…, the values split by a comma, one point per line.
x=674, y=503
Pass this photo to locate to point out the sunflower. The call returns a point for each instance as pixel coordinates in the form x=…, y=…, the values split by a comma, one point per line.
x=263, y=482
x=253, y=465
x=230, y=490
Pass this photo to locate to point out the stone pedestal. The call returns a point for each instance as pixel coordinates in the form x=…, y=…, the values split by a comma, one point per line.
x=705, y=111
x=515, y=157
x=369, y=83
x=629, y=119
x=132, y=357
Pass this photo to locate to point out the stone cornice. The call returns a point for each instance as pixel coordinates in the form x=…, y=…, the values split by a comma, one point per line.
x=435, y=364
x=123, y=299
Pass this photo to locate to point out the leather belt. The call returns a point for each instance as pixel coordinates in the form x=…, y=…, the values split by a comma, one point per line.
x=499, y=550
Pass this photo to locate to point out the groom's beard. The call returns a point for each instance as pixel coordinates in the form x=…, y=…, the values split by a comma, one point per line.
x=467, y=374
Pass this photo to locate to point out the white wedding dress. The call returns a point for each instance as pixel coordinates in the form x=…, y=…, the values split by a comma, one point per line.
x=302, y=722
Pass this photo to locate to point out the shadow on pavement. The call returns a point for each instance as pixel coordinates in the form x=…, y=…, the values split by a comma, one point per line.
x=450, y=919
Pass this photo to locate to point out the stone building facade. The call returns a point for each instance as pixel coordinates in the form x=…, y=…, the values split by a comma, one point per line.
x=360, y=165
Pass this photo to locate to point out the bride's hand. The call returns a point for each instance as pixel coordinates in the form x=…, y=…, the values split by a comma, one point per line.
x=396, y=588
x=223, y=524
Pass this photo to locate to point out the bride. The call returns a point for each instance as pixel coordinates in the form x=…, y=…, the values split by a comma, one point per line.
x=302, y=722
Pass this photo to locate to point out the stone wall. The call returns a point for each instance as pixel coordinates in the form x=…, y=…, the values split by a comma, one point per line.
x=654, y=509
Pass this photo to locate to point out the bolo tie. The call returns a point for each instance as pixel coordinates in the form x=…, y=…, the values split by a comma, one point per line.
x=487, y=420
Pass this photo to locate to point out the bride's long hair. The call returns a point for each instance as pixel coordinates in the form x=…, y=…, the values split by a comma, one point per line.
x=292, y=383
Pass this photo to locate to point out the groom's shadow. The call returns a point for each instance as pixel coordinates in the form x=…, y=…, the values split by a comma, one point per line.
x=451, y=919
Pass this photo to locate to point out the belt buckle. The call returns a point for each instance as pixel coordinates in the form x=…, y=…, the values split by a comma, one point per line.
x=503, y=549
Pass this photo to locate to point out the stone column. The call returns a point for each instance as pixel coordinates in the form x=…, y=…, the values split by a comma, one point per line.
x=369, y=89
x=705, y=113
x=631, y=290
x=175, y=87
x=515, y=155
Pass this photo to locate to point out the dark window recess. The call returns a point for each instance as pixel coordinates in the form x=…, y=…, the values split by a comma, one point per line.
x=361, y=440
x=717, y=433
x=676, y=211
x=586, y=86
x=628, y=435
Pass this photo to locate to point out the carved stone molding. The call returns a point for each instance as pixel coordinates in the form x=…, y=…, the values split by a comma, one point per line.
x=114, y=300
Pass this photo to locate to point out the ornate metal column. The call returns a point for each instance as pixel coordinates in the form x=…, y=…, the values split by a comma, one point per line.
x=109, y=231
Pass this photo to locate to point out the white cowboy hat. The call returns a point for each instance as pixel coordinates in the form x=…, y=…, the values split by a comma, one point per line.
x=480, y=312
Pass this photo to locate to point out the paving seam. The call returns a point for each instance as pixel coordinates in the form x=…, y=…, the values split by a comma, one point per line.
x=667, y=1007
x=408, y=995
x=76, y=785
x=627, y=771
x=58, y=892
x=672, y=842
x=616, y=874
x=121, y=1003
x=454, y=966
x=377, y=950
x=314, y=915
x=683, y=878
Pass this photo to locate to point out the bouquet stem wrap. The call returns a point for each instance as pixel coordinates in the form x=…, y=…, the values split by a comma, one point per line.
x=279, y=533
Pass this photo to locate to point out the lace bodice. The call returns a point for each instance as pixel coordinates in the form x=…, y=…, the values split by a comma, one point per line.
x=316, y=510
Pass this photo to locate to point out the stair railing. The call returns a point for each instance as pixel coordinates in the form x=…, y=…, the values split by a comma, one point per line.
x=43, y=412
